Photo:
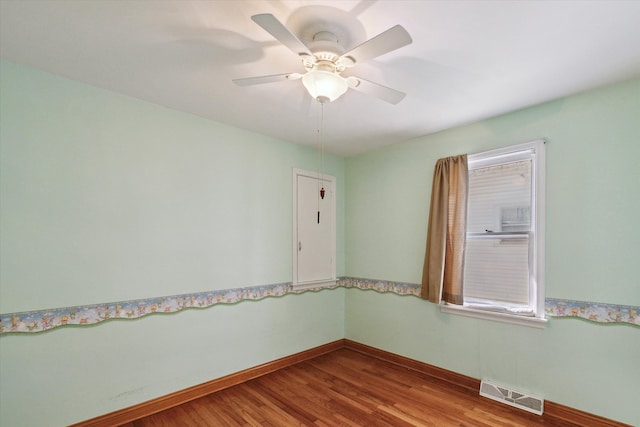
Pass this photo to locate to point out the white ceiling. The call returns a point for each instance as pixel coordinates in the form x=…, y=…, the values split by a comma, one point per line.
x=469, y=59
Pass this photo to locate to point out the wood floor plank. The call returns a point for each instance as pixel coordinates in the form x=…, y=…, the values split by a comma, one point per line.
x=345, y=388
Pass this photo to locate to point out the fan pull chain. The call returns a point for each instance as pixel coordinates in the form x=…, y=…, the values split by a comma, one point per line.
x=322, y=150
x=321, y=191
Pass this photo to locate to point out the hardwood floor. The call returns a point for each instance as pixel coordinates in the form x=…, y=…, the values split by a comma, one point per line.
x=344, y=388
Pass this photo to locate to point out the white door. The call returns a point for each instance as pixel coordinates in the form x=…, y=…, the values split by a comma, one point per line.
x=314, y=260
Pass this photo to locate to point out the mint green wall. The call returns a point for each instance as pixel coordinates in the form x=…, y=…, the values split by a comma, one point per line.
x=116, y=199
x=107, y=198
x=593, y=182
x=73, y=374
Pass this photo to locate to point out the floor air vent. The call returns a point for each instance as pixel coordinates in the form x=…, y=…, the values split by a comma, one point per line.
x=511, y=397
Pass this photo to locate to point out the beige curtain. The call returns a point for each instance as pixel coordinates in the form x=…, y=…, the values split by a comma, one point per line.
x=446, y=235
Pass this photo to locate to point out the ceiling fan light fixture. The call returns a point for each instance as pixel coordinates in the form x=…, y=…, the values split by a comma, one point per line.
x=324, y=86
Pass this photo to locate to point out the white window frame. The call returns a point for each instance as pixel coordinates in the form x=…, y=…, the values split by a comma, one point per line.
x=536, y=285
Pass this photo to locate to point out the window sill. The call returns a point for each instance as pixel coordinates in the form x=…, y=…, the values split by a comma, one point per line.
x=533, y=322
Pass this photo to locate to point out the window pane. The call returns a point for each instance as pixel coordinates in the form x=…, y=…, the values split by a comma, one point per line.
x=504, y=217
x=500, y=198
x=497, y=269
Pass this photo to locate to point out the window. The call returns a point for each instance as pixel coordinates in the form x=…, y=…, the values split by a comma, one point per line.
x=504, y=255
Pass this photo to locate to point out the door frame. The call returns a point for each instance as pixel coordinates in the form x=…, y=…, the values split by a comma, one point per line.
x=329, y=183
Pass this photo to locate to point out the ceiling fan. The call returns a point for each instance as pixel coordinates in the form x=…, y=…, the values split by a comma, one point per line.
x=325, y=59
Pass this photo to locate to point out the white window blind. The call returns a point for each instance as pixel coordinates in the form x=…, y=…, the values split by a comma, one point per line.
x=498, y=258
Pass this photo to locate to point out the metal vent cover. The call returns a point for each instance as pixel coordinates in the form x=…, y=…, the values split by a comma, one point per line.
x=513, y=398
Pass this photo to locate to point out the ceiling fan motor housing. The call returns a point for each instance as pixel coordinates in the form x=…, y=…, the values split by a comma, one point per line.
x=327, y=50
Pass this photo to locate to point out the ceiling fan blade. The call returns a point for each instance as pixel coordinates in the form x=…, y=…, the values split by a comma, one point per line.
x=385, y=93
x=274, y=27
x=249, y=81
x=392, y=39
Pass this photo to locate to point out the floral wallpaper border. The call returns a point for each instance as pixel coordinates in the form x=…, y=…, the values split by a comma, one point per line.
x=594, y=311
x=45, y=320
